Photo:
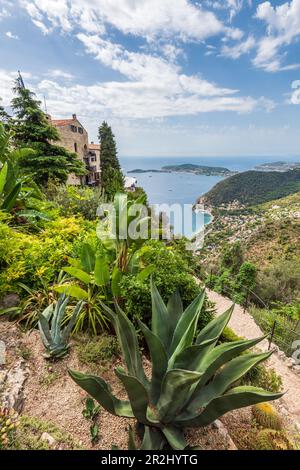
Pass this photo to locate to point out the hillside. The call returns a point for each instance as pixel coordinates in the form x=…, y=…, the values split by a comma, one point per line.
x=253, y=187
x=268, y=235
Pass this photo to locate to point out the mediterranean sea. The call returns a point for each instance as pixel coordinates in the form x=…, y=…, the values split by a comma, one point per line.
x=185, y=188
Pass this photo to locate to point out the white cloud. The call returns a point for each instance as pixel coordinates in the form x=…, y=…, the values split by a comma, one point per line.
x=57, y=73
x=235, y=52
x=283, y=28
x=295, y=97
x=6, y=83
x=146, y=18
x=10, y=35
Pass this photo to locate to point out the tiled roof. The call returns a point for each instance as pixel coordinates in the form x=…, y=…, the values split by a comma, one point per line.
x=62, y=122
x=94, y=146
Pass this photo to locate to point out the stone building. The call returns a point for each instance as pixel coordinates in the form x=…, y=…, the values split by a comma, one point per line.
x=74, y=138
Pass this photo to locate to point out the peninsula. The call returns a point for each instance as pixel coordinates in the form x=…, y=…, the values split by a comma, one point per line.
x=190, y=168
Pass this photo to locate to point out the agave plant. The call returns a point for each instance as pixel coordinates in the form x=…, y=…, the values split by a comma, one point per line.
x=55, y=337
x=193, y=376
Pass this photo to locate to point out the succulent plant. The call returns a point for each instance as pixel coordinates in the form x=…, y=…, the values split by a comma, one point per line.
x=55, y=337
x=267, y=416
x=270, y=439
x=9, y=422
x=193, y=377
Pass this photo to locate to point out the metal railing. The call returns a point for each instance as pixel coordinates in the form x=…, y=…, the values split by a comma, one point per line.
x=278, y=333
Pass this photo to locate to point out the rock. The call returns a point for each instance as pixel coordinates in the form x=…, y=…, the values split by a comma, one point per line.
x=9, y=301
x=12, y=394
x=219, y=426
x=2, y=353
x=48, y=438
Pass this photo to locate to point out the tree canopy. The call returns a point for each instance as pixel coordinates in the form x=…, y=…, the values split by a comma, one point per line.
x=111, y=175
x=32, y=129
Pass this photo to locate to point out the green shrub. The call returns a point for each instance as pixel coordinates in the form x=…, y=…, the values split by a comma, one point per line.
x=171, y=272
x=28, y=436
x=283, y=334
x=97, y=350
x=36, y=259
x=261, y=376
x=228, y=336
x=280, y=282
x=74, y=200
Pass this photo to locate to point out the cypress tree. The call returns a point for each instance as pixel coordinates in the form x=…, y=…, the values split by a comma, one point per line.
x=112, y=179
x=33, y=129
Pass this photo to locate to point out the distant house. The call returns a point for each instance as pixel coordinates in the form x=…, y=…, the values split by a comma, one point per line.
x=74, y=138
x=130, y=183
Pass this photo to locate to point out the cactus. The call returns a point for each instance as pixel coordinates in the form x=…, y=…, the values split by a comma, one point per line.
x=193, y=377
x=54, y=337
x=270, y=439
x=9, y=422
x=267, y=416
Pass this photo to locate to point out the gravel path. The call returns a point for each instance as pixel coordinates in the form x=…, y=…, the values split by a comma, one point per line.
x=244, y=325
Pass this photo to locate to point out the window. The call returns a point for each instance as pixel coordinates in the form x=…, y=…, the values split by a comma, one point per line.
x=73, y=128
x=80, y=130
x=75, y=147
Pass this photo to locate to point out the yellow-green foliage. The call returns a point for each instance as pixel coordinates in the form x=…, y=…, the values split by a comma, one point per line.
x=28, y=258
x=267, y=416
x=270, y=439
x=8, y=425
x=29, y=434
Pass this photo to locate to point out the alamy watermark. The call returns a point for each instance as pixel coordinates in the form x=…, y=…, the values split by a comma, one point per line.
x=160, y=221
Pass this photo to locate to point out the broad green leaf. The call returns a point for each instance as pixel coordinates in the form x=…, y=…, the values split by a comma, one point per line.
x=145, y=273
x=116, y=278
x=131, y=442
x=175, y=310
x=78, y=274
x=72, y=291
x=159, y=361
x=88, y=258
x=236, y=398
x=138, y=396
x=67, y=331
x=175, y=438
x=153, y=439
x=128, y=340
x=186, y=328
x=174, y=390
x=218, y=356
x=59, y=312
x=191, y=357
x=98, y=389
x=44, y=326
x=10, y=200
x=215, y=328
x=102, y=275
x=230, y=374
x=160, y=325
x=76, y=263
x=3, y=175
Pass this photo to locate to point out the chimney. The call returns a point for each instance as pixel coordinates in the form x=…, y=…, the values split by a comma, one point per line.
x=74, y=117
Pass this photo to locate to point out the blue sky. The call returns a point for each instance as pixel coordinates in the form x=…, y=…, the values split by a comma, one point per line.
x=172, y=77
